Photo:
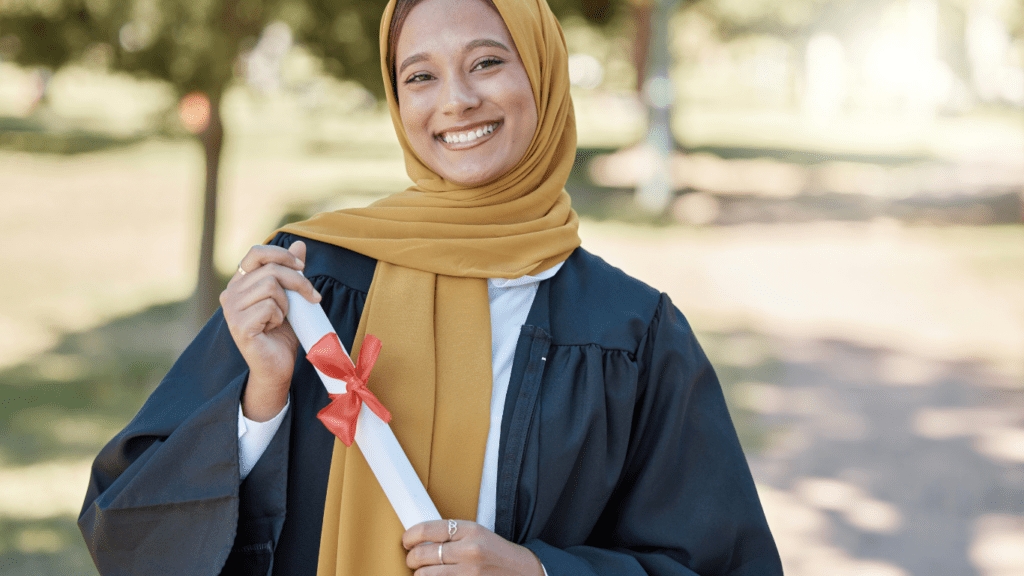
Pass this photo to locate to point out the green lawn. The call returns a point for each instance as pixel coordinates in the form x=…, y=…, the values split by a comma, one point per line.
x=102, y=235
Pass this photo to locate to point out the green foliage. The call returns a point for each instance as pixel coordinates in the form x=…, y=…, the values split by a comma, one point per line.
x=600, y=12
x=41, y=34
x=343, y=34
x=195, y=44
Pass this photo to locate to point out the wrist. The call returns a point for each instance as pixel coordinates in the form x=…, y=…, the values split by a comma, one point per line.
x=261, y=402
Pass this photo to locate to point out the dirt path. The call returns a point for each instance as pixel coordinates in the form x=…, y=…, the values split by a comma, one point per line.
x=890, y=464
x=894, y=412
x=875, y=372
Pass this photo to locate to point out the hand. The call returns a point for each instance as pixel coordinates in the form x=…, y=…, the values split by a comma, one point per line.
x=472, y=550
x=255, y=309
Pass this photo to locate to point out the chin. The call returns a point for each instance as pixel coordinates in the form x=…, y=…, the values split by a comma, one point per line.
x=471, y=177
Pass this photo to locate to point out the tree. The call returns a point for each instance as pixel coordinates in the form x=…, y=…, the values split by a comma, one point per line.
x=194, y=46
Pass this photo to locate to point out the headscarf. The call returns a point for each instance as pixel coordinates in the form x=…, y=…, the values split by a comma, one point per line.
x=436, y=243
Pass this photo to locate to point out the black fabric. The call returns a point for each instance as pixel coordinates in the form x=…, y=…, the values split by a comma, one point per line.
x=617, y=452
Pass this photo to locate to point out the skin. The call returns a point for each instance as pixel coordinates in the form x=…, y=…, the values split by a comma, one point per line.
x=453, y=74
x=255, y=309
x=473, y=550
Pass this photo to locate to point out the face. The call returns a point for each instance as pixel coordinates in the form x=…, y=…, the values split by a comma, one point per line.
x=464, y=97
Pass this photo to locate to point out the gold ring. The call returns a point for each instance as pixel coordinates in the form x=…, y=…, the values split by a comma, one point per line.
x=440, y=553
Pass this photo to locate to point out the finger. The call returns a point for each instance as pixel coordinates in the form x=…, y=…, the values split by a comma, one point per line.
x=283, y=279
x=261, y=317
x=262, y=255
x=298, y=249
x=426, y=554
x=434, y=571
x=298, y=283
x=468, y=551
x=429, y=531
x=264, y=285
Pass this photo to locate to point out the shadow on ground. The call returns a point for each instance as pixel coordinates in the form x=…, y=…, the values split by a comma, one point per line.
x=33, y=135
x=867, y=457
x=876, y=461
x=911, y=189
x=57, y=410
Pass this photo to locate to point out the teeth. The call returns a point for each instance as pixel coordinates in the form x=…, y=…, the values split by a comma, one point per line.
x=453, y=138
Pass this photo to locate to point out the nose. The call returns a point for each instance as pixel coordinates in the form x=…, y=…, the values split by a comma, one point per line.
x=459, y=96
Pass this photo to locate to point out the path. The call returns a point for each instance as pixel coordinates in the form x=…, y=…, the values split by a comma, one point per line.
x=869, y=376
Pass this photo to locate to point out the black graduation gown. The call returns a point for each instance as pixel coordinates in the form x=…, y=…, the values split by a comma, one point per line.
x=617, y=453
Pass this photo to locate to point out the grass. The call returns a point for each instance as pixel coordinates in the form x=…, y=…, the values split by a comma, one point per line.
x=32, y=136
x=58, y=410
x=103, y=231
x=61, y=406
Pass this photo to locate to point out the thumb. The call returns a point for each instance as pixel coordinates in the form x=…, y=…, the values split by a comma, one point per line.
x=298, y=249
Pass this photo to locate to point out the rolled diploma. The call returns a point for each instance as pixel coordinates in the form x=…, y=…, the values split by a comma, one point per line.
x=373, y=436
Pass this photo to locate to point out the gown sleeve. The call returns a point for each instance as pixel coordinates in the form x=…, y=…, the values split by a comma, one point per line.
x=165, y=494
x=685, y=503
x=169, y=482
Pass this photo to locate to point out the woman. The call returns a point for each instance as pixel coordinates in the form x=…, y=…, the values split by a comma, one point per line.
x=559, y=412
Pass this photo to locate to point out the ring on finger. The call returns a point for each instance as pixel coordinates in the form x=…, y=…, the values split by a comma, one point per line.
x=453, y=527
x=440, y=553
x=241, y=271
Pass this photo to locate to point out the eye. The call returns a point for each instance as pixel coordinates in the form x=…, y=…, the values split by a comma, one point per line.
x=418, y=77
x=488, y=62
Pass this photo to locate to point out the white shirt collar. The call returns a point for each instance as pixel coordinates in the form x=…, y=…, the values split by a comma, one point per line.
x=524, y=280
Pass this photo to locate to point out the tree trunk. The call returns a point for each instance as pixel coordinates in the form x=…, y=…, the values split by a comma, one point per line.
x=642, y=13
x=655, y=190
x=207, y=293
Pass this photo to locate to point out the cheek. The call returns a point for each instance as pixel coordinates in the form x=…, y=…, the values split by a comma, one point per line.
x=412, y=107
x=525, y=104
x=527, y=111
x=414, y=123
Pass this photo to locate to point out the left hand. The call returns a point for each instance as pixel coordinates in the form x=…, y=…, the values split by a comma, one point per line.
x=472, y=550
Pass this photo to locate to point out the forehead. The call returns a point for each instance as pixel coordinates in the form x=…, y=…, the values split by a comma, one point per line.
x=445, y=25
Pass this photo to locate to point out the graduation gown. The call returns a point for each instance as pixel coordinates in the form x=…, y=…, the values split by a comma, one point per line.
x=617, y=453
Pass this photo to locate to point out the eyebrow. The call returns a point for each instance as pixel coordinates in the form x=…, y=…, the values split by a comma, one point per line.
x=479, y=43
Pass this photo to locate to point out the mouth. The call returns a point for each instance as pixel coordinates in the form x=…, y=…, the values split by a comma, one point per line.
x=468, y=137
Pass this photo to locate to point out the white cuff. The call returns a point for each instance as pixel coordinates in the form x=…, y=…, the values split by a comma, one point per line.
x=254, y=437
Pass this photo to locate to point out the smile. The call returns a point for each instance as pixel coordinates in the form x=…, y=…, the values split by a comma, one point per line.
x=468, y=136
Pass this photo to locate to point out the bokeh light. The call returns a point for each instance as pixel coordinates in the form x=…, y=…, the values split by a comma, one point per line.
x=843, y=226
x=194, y=112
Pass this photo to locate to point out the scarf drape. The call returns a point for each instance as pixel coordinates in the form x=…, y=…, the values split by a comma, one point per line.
x=436, y=243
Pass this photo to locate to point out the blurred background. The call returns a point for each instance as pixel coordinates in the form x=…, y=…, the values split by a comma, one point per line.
x=830, y=190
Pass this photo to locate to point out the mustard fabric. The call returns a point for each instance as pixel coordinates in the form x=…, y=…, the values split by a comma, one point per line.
x=436, y=243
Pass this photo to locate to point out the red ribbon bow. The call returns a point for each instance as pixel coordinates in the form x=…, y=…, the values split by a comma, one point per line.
x=341, y=414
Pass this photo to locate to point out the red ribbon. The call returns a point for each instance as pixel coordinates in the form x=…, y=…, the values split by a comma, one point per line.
x=341, y=414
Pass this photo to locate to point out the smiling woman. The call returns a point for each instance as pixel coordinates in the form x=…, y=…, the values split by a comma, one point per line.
x=465, y=99
x=561, y=414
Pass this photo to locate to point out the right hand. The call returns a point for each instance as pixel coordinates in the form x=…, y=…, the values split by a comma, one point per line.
x=255, y=309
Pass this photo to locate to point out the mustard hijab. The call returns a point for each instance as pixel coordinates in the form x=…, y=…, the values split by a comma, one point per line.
x=436, y=243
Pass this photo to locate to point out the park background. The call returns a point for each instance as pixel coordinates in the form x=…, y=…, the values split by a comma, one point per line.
x=842, y=226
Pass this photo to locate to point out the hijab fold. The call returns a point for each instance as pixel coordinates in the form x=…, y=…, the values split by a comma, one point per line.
x=436, y=243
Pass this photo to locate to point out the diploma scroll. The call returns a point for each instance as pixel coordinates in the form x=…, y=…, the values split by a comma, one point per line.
x=374, y=437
